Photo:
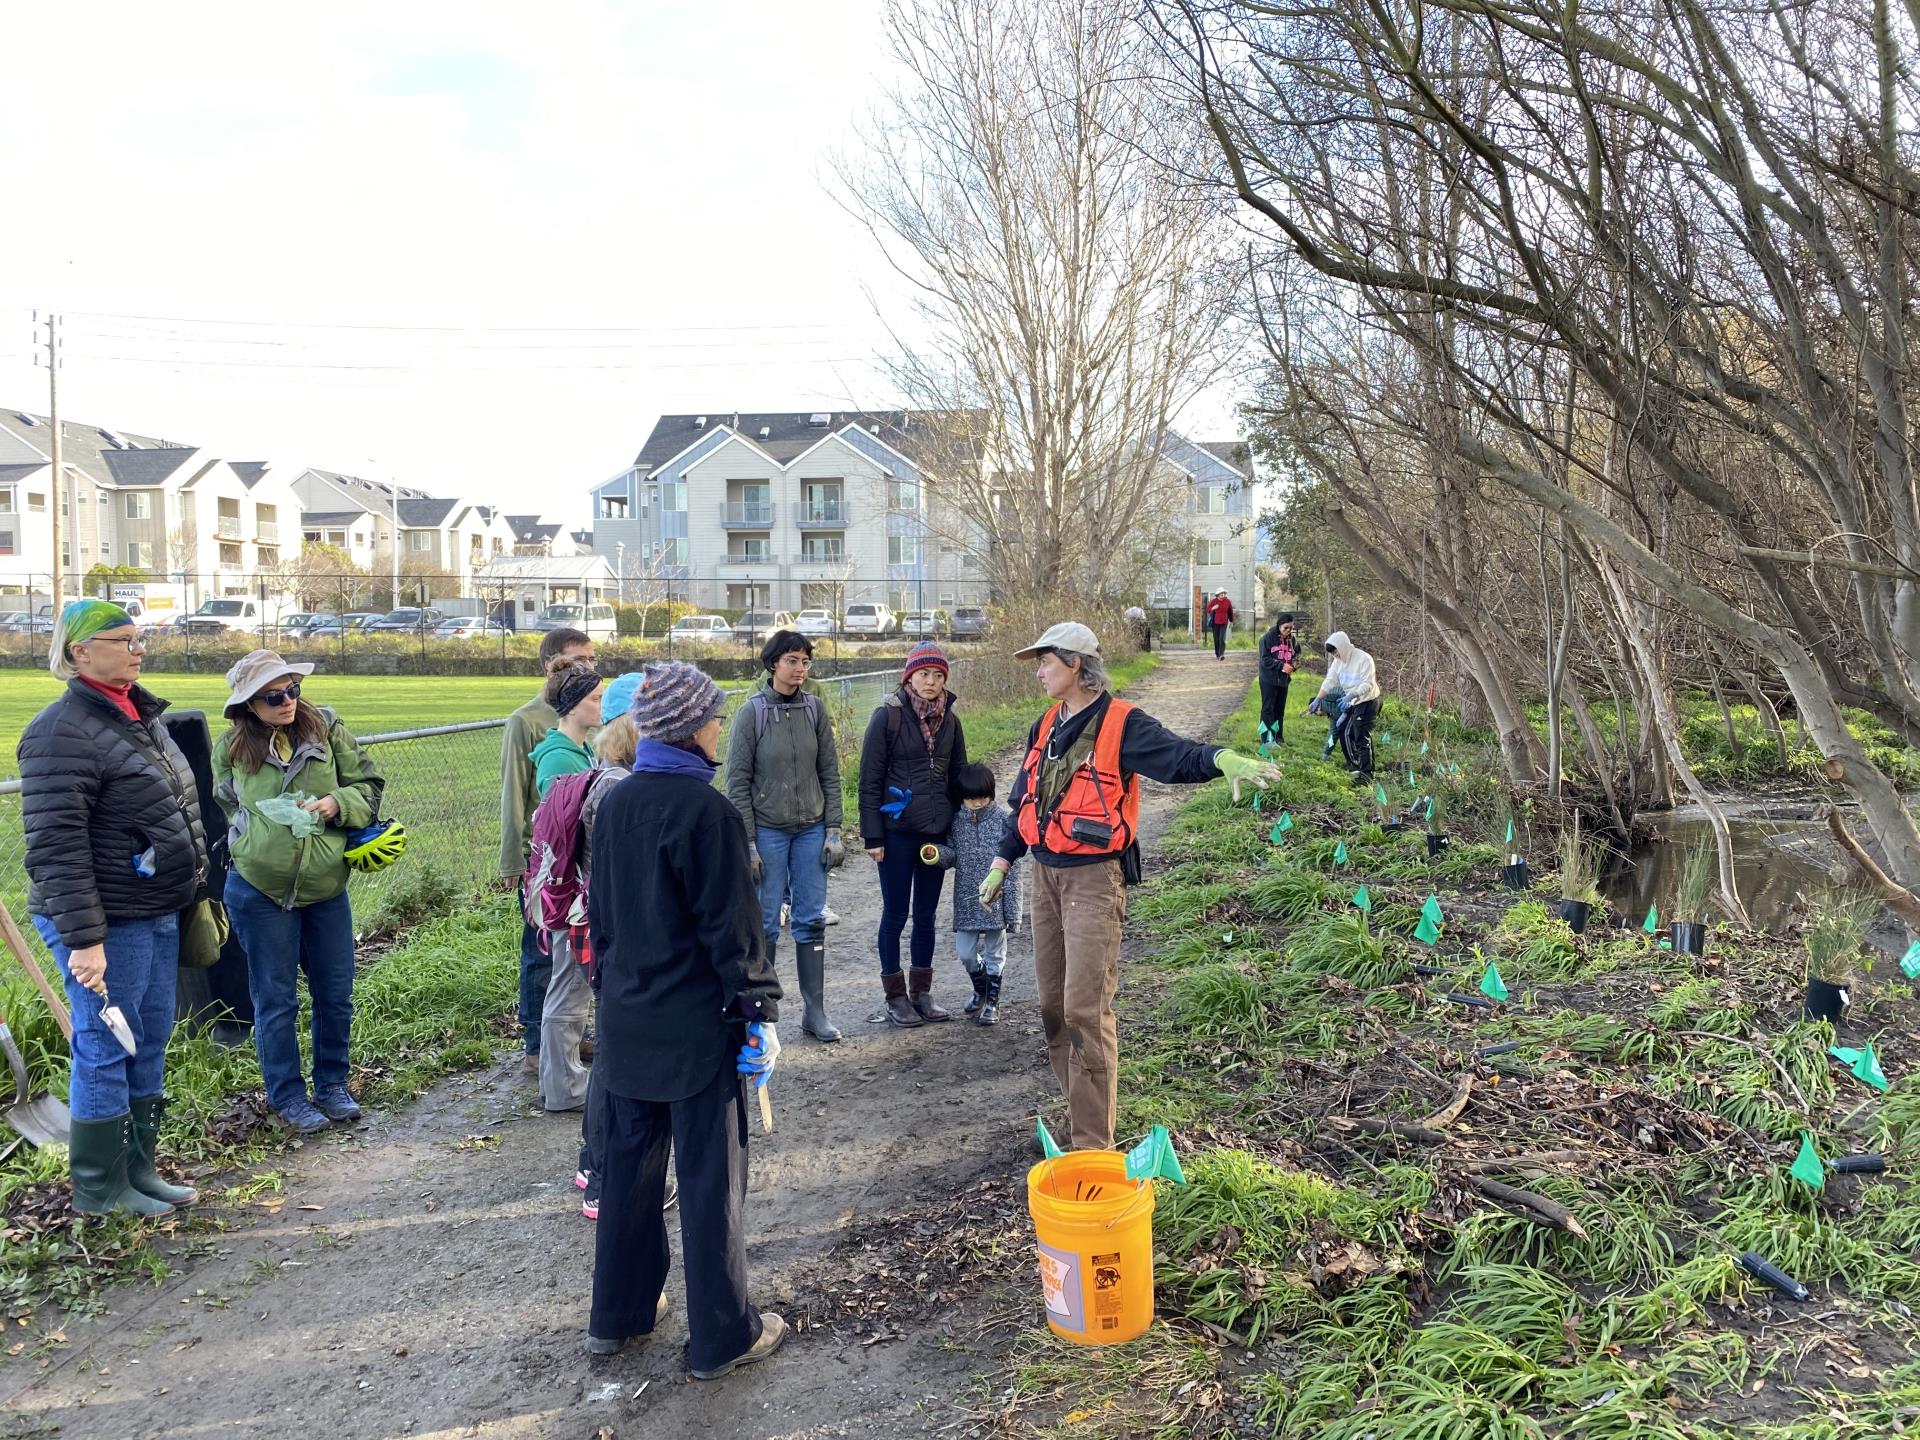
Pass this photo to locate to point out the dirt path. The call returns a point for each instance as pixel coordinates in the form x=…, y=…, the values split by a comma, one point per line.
x=422, y=1282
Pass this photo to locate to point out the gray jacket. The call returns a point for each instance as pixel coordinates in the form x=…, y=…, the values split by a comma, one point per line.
x=782, y=769
x=975, y=840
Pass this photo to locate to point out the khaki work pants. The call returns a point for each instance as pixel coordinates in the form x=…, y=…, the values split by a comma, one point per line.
x=1077, y=914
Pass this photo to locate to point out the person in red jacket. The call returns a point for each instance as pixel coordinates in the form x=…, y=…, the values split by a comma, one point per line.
x=1219, y=616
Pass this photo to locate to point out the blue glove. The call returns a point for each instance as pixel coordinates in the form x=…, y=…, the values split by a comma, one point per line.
x=897, y=806
x=757, y=1056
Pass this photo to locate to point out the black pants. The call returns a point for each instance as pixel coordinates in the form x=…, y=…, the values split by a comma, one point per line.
x=1356, y=738
x=708, y=1133
x=1273, y=705
x=909, y=888
x=593, y=1125
x=1219, y=641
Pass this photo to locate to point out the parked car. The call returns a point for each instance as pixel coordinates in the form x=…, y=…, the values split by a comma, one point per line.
x=410, y=618
x=868, y=622
x=333, y=626
x=700, y=627
x=924, y=624
x=816, y=622
x=596, y=620
x=756, y=625
x=226, y=616
x=25, y=622
x=300, y=622
x=470, y=627
x=969, y=622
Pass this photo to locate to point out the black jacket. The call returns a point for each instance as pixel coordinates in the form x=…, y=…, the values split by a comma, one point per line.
x=1270, y=663
x=97, y=792
x=675, y=927
x=894, y=754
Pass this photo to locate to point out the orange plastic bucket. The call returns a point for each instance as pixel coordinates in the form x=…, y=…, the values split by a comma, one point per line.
x=1095, y=1231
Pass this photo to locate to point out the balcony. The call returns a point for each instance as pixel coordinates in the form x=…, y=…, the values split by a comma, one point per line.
x=750, y=557
x=821, y=514
x=227, y=527
x=747, y=515
x=267, y=532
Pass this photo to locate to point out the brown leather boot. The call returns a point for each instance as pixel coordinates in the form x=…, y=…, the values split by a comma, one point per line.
x=899, y=1009
x=919, y=983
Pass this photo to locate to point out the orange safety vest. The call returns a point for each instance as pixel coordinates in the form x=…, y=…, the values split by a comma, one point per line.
x=1096, y=791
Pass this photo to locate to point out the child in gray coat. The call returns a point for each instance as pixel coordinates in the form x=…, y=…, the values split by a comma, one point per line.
x=980, y=932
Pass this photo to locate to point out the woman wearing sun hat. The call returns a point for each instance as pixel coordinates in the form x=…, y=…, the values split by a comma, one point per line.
x=114, y=853
x=294, y=783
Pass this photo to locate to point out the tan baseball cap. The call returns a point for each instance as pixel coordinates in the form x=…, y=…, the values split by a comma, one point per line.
x=256, y=670
x=1067, y=635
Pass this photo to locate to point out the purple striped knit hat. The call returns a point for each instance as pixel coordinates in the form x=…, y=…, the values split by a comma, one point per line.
x=924, y=655
x=675, y=699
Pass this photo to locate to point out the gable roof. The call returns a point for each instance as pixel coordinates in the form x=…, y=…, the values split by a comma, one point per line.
x=22, y=471
x=423, y=513
x=531, y=529
x=249, y=471
x=83, y=446
x=331, y=517
x=790, y=433
x=141, y=467
x=1230, y=452
x=541, y=567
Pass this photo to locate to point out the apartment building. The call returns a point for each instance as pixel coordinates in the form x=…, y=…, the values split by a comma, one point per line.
x=175, y=511
x=1222, y=520
x=789, y=510
x=445, y=539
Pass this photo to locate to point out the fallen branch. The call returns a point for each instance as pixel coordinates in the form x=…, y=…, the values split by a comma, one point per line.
x=1405, y=1129
x=1536, y=1207
x=1902, y=901
x=1450, y=1112
x=1536, y=1163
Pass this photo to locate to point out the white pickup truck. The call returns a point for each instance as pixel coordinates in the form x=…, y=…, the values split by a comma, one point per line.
x=220, y=617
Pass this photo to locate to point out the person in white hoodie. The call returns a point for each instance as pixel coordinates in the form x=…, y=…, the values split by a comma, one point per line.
x=1350, y=673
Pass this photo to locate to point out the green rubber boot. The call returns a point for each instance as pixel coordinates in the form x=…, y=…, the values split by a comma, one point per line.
x=146, y=1137
x=97, y=1155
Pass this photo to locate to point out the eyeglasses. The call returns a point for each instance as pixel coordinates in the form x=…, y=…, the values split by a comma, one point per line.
x=134, y=647
x=280, y=697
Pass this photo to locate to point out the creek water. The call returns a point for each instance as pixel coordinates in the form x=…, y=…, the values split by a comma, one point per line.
x=1783, y=860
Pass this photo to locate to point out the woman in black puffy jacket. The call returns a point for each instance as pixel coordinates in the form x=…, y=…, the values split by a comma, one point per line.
x=114, y=852
x=913, y=750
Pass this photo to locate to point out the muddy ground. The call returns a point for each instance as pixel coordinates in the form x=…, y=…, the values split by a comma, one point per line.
x=427, y=1275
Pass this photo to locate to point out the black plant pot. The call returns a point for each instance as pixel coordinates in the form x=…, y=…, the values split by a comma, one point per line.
x=1435, y=844
x=1689, y=937
x=1515, y=875
x=1575, y=913
x=1393, y=827
x=1824, y=1001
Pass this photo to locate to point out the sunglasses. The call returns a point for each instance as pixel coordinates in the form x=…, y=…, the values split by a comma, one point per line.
x=280, y=697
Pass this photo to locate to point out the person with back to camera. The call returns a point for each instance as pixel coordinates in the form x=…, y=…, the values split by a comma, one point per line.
x=783, y=776
x=688, y=1005
x=1076, y=806
x=1351, y=678
x=525, y=728
x=114, y=854
x=980, y=930
x=914, y=746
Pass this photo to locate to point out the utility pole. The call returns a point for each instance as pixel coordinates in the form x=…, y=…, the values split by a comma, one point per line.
x=58, y=487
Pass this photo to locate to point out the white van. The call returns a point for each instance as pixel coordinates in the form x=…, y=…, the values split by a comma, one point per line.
x=596, y=620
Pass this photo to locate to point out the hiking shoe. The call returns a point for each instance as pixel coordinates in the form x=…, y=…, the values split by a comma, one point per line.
x=829, y=916
x=605, y=1345
x=582, y=1179
x=773, y=1330
x=336, y=1103
x=590, y=1207
x=302, y=1118
x=530, y=1063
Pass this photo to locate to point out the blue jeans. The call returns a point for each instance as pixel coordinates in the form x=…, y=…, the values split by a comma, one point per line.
x=143, y=964
x=790, y=861
x=908, y=887
x=280, y=943
x=981, y=951
x=536, y=970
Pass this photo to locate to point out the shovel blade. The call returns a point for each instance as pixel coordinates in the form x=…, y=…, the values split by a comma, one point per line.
x=43, y=1120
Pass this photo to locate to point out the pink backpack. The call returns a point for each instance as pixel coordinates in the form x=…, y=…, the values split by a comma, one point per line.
x=555, y=895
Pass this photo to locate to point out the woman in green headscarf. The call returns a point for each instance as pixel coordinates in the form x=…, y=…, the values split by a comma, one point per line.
x=114, y=853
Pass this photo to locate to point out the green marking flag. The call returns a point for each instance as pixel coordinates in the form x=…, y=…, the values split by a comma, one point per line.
x=1491, y=985
x=1279, y=830
x=1047, y=1146
x=1845, y=1054
x=1806, y=1167
x=1423, y=747
x=1427, y=932
x=1340, y=853
x=1430, y=909
x=1652, y=923
x=1386, y=737
x=1910, y=962
x=1362, y=899
x=1380, y=795
x=1153, y=1158
x=1867, y=1068
x=1256, y=800
x=1509, y=832
x=1285, y=822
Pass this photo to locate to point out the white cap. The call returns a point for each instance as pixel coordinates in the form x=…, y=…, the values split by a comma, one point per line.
x=1067, y=635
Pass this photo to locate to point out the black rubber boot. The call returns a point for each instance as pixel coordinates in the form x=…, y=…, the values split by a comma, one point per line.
x=811, y=961
x=990, y=1007
x=919, y=989
x=97, y=1154
x=144, y=1139
x=979, y=978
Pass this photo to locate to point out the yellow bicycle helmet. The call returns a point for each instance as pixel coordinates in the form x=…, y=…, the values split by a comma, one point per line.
x=374, y=847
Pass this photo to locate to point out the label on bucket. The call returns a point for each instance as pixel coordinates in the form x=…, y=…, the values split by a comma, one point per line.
x=1060, y=1283
x=1106, y=1291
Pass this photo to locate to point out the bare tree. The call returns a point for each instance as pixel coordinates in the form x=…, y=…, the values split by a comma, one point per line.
x=1030, y=179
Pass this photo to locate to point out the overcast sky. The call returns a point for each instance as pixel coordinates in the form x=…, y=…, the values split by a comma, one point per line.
x=594, y=213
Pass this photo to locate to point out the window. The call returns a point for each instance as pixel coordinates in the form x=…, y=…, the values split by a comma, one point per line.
x=1209, y=552
x=1210, y=499
x=106, y=550
x=6, y=542
x=754, y=548
x=6, y=502
x=36, y=502
x=903, y=494
x=903, y=550
x=902, y=601
x=420, y=542
x=230, y=557
x=140, y=554
x=269, y=555
x=823, y=549
x=673, y=495
x=139, y=507
x=674, y=551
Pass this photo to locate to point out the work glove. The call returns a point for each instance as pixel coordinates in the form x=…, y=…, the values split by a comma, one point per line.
x=1238, y=768
x=897, y=806
x=833, y=854
x=754, y=867
x=1313, y=706
x=990, y=887
x=757, y=1056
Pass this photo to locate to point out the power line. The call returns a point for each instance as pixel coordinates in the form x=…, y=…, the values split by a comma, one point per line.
x=444, y=329
x=476, y=370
